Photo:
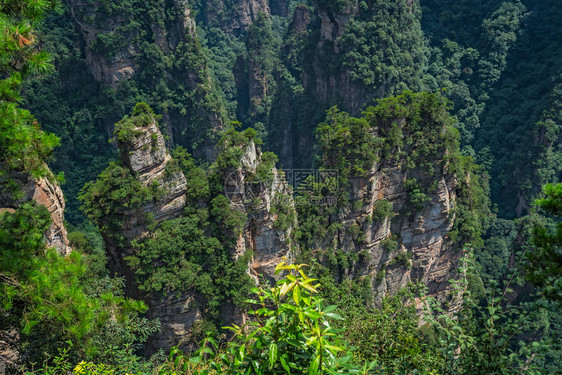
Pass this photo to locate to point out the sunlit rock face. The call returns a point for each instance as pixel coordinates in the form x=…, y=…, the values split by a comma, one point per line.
x=262, y=201
x=47, y=192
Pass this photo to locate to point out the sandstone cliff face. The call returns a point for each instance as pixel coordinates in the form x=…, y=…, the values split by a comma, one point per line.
x=271, y=219
x=263, y=201
x=47, y=193
x=333, y=87
x=237, y=18
x=395, y=219
x=94, y=21
x=126, y=41
x=145, y=155
x=404, y=246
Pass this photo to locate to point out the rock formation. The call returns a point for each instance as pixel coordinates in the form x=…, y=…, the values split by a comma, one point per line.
x=235, y=19
x=144, y=154
x=109, y=64
x=94, y=21
x=117, y=40
x=396, y=220
x=268, y=204
x=404, y=246
x=146, y=157
x=265, y=201
x=45, y=191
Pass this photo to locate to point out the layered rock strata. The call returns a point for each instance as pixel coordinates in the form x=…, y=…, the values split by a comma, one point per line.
x=404, y=246
x=268, y=205
x=45, y=191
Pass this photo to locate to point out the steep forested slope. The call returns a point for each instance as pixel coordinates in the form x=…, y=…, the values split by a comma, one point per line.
x=279, y=72
x=508, y=99
x=380, y=112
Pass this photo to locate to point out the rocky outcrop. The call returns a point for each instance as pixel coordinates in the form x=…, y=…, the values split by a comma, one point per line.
x=301, y=20
x=146, y=156
x=268, y=204
x=9, y=355
x=402, y=246
x=45, y=191
x=394, y=220
x=255, y=188
x=336, y=86
x=235, y=19
x=333, y=23
x=118, y=38
x=112, y=39
x=95, y=22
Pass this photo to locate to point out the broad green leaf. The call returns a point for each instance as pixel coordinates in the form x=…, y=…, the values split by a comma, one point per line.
x=297, y=295
x=272, y=354
x=313, y=370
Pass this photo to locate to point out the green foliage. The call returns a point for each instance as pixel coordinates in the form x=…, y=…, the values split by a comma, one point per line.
x=416, y=197
x=472, y=209
x=192, y=252
x=389, y=334
x=261, y=45
x=381, y=210
x=46, y=295
x=389, y=244
x=413, y=132
x=346, y=144
x=24, y=146
x=229, y=218
x=383, y=47
x=18, y=22
x=494, y=336
x=290, y=332
x=286, y=214
x=264, y=170
x=493, y=257
x=142, y=116
x=189, y=259
x=486, y=55
x=175, y=82
x=197, y=181
x=180, y=247
x=233, y=145
x=63, y=363
x=544, y=266
x=116, y=190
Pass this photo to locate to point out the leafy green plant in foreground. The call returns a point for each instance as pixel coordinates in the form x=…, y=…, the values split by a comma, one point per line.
x=492, y=334
x=289, y=332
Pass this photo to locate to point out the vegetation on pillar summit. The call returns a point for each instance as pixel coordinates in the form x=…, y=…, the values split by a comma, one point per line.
x=412, y=131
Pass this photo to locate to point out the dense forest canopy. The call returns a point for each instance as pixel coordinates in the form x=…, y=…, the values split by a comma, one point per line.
x=280, y=186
